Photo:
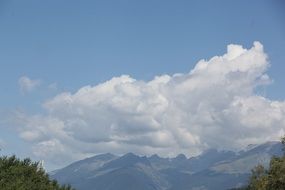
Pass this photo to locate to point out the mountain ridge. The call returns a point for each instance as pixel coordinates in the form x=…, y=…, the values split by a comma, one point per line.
x=211, y=170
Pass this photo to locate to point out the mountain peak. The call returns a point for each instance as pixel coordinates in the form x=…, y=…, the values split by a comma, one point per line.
x=105, y=156
x=180, y=158
x=154, y=156
x=128, y=160
x=130, y=154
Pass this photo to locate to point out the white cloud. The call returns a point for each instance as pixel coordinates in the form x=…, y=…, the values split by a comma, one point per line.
x=53, y=86
x=27, y=85
x=214, y=105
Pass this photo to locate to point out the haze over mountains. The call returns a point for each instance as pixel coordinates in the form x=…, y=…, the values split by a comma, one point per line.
x=212, y=170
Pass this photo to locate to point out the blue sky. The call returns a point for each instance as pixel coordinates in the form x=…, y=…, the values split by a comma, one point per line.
x=66, y=45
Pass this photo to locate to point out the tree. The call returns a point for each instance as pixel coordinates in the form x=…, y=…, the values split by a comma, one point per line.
x=16, y=174
x=271, y=179
x=258, y=179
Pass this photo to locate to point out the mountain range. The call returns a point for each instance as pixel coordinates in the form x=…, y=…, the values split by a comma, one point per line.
x=212, y=170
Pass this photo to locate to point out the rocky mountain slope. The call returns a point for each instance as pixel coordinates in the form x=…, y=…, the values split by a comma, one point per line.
x=212, y=170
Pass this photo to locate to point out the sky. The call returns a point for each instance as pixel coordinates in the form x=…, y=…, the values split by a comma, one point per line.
x=80, y=78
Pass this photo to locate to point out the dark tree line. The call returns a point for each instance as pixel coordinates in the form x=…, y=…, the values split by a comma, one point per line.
x=16, y=174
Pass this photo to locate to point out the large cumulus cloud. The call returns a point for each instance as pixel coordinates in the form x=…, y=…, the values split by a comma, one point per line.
x=215, y=105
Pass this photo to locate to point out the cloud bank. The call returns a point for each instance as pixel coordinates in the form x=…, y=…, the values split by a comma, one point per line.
x=215, y=105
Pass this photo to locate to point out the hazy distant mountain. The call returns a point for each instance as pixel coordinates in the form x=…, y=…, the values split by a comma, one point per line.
x=212, y=170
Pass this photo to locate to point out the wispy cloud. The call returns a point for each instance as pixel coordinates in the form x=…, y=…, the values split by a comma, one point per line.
x=27, y=85
x=2, y=144
x=53, y=87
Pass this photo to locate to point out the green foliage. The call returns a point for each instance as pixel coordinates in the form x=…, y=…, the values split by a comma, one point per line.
x=276, y=174
x=271, y=179
x=258, y=179
x=16, y=174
